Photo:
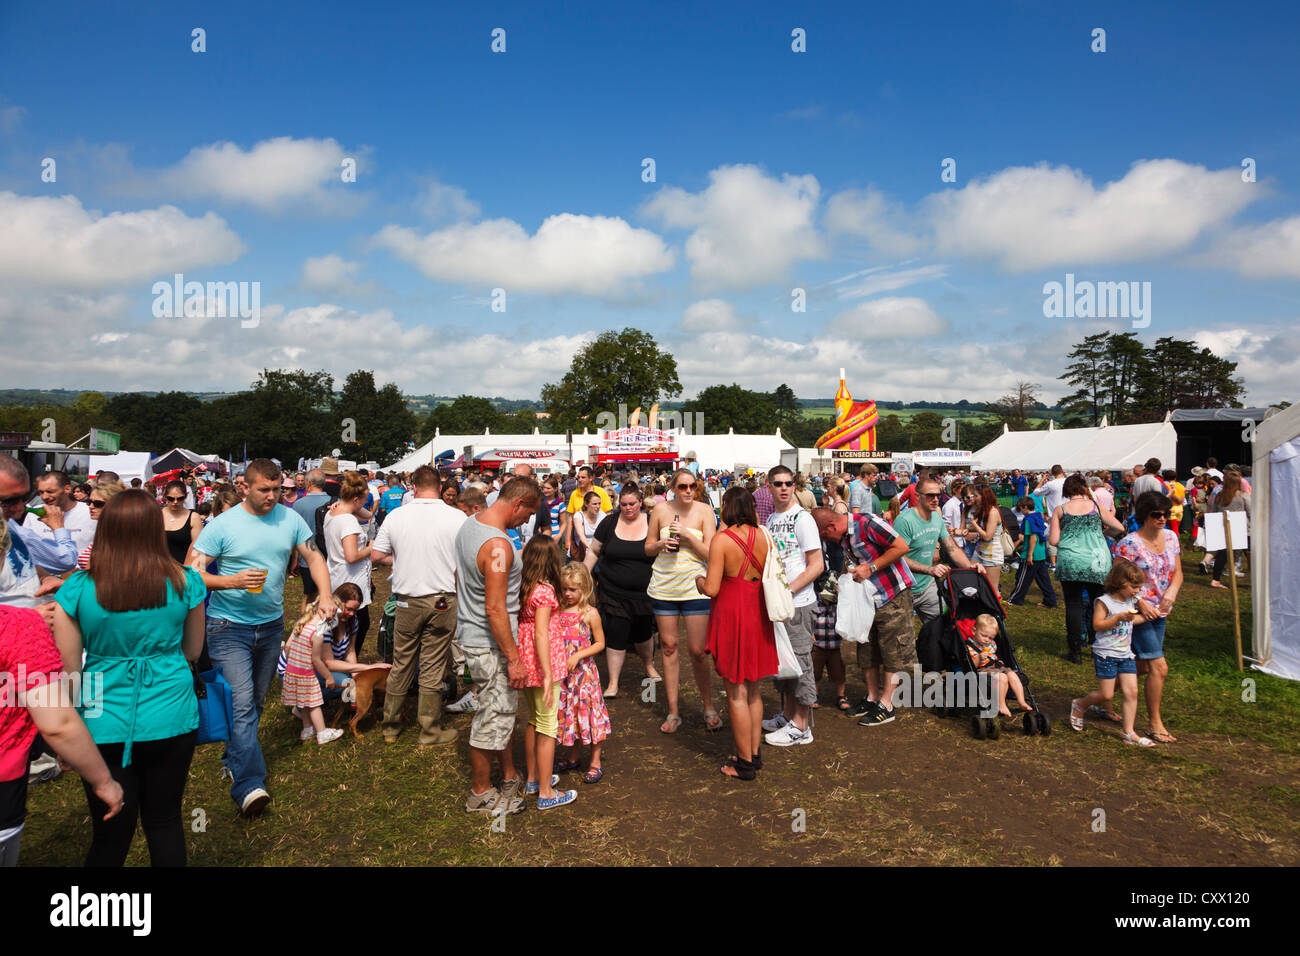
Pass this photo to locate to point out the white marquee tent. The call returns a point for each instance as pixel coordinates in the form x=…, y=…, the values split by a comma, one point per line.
x=1275, y=559
x=1110, y=447
x=712, y=451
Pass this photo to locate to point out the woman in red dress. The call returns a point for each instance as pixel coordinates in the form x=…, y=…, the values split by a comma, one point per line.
x=740, y=635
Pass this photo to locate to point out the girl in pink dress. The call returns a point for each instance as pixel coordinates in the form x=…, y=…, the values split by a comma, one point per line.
x=541, y=651
x=300, y=689
x=584, y=719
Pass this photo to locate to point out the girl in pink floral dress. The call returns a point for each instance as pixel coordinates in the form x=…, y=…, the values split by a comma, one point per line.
x=584, y=718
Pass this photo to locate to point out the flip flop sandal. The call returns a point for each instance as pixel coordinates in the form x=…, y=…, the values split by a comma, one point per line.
x=712, y=722
x=593, y=775
x=671, y=724
x=1137, y=741
x=1105, y=714
x=1076, y=716
x=1163, y=737
x=843, y=704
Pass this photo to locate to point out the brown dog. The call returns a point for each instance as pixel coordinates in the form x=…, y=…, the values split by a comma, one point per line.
x=368, y=683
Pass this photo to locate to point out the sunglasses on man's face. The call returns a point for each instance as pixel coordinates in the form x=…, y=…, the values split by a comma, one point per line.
x=783, y=484
x=689, y=487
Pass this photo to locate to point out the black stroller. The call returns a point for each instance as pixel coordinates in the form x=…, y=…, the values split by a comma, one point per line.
x=941, y=647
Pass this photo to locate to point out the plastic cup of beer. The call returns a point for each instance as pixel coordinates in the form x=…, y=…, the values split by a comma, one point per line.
x=258, y=588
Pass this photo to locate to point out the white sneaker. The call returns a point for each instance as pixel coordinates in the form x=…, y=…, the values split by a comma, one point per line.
x=327, y=735
x=255, y=802
x=789, y=736
x=466, y=705
x=307, y=733
x=43, y=769
x=776, y=723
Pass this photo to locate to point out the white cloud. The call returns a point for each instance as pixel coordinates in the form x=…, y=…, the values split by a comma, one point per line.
x=880, y=279
x=271, y=174
x=883, y=222
x=332, y=275
x=11, y=118
x=1029, y=218
x=1268, y=359
x=1267, y=250
x=55, y=242
x=712, y=315
x=748, y=228
x=892, y=318
x=590, y=255
x=440, y=202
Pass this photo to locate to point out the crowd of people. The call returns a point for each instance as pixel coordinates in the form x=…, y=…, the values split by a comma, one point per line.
x=503, y=584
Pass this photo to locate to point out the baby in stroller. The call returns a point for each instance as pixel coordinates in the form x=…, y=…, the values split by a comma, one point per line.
x=981, y=640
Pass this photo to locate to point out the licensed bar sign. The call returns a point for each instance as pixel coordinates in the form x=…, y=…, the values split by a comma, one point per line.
x=861, y=455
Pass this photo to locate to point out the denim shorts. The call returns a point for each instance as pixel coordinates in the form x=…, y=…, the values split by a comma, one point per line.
x=684, y=608
x=1108, y=668
x=1149, y=639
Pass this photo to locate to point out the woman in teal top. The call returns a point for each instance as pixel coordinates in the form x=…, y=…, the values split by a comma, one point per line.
x=138, y=617
x=1082, y=558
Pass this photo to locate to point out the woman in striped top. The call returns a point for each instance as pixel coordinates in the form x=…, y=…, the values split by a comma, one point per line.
x=681, y=530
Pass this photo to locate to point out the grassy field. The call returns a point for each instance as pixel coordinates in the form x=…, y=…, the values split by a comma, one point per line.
x=918, y=791
x=905, y=415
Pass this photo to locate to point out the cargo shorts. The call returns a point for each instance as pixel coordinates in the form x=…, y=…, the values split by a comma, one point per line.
x=494, y=720
x=892, y=641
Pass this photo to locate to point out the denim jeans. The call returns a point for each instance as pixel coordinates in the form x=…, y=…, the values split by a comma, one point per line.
x=246, y=654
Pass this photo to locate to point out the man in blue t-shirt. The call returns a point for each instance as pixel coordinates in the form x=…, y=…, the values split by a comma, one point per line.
x=252, y=545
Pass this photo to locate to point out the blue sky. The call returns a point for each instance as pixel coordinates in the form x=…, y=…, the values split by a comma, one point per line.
x=522, y=170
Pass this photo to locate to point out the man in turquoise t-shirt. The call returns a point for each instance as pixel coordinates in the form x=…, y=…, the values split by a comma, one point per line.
x=252, y=545
x=923, y=527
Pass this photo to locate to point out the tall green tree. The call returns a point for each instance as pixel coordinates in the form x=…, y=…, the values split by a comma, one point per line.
x=618, y=368
x=730, y=406
x=1088, y=400
x=378, y=419
x=786, y=408
x=159, y=423
x=467, y=415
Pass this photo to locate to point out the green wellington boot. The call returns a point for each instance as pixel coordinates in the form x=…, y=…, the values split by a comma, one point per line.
x=394, y=704
x=430, y=716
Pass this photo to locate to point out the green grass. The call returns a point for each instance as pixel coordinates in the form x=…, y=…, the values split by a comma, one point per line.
x=919, y=791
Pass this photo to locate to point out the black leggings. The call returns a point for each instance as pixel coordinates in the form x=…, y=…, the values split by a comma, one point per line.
x=1220, y=560
x=1078, y=612
x=153, y=787
x=363, y=627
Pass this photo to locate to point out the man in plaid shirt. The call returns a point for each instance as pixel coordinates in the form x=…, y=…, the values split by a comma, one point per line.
x=875, y=551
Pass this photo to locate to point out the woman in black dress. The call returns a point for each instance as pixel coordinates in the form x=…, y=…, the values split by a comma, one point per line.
x=181, y=525
x=617, y=553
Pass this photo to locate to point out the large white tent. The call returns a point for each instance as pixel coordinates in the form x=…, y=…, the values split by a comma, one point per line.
x=1275, y=559
x=1110, y=447
x=712, y=451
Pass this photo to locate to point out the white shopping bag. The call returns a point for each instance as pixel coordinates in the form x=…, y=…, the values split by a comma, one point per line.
x=857, y=609
x=788, y=668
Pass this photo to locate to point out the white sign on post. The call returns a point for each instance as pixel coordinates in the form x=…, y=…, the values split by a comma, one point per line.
x=1214, y=535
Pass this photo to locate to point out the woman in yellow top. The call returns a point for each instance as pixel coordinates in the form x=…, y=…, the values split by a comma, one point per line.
x=1177, y=497
x=678, y=538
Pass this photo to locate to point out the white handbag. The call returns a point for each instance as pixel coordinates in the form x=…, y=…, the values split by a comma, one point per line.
x=788, y=665
x=776, y=592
